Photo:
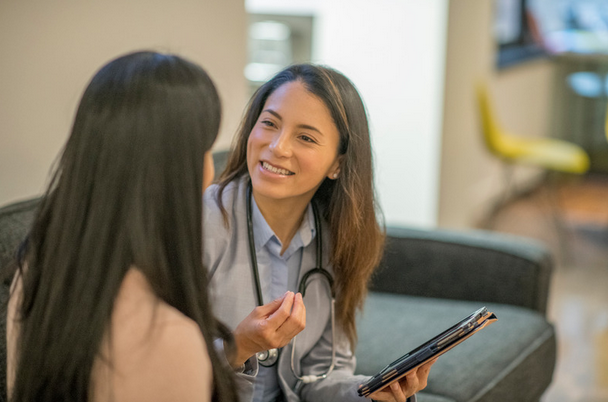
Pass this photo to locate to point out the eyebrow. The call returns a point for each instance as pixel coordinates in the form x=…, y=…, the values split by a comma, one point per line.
x=304, y=126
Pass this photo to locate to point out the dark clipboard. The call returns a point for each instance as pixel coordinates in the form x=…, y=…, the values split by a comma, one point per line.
x=429, y=350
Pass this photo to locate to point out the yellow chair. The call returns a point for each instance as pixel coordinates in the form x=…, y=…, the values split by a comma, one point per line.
x=548, y=153
x=551, y=154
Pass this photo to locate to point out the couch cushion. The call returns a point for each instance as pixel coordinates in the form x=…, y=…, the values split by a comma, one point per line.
x=15, y=221
x=512, y=356
x=426, y=397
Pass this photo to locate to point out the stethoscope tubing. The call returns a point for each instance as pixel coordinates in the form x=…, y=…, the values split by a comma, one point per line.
x=252, y=253
x=301, y=288
x=306, y=379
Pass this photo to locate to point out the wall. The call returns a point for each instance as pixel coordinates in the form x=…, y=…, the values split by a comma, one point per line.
x=394, y=52
x=51, y=49
x=471, y=178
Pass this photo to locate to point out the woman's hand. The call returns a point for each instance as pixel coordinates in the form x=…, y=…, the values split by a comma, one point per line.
x=407, y=386
x=269, y=326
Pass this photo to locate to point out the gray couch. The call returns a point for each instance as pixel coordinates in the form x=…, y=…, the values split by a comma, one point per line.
x=428, y=281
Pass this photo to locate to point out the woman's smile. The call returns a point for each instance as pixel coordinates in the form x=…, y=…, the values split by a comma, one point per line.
x=276, y=169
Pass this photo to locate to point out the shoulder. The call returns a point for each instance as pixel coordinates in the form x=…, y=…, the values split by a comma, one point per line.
x=176, y=365
x=232, y=194
x=218, y=232
x=156, y=353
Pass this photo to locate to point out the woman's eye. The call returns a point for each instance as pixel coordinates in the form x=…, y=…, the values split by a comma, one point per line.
x=307, y=139
x=268, y=123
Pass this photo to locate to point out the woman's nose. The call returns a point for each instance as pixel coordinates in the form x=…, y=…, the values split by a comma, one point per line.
x=280, y=144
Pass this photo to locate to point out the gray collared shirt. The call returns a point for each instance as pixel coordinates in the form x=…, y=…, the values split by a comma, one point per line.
x=278, y=273
x=283, y=276
x=233, y=295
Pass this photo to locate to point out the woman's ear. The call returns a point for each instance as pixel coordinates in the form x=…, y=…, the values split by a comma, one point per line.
x=334, y=171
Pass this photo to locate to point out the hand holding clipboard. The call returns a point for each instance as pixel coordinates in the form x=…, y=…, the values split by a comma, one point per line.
x=428, y=351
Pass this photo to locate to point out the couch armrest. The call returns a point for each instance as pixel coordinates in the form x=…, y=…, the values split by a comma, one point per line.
x=473, y=265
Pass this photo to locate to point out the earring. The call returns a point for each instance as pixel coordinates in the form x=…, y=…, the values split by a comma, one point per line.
x=335, y=175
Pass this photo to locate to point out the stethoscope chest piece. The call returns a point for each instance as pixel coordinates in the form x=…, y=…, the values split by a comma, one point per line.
x=268, y=358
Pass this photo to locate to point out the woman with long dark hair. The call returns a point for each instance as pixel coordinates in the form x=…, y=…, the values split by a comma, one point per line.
x=295, y=226
x=110, y=299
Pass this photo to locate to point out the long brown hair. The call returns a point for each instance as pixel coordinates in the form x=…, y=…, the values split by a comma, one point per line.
x=348, y=202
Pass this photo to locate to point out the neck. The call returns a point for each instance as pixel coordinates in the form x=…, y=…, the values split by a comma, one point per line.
x=283, y=216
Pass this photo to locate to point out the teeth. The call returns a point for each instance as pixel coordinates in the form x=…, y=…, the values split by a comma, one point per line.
x=273, y=169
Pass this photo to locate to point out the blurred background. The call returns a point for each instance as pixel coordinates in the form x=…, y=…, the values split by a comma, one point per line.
x=419, y=66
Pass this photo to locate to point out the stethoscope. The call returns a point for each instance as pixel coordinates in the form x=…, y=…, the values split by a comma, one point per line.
x=270, y=357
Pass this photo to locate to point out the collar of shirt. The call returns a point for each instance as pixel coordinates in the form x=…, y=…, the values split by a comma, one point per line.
x=264, y=235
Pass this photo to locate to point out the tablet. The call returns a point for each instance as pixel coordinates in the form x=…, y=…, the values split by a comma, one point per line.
x=428, y=350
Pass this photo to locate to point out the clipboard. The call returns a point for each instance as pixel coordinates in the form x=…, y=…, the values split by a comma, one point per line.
x=429, y=350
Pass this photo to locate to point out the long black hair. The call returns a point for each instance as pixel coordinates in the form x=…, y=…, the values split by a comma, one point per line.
x=127, y=191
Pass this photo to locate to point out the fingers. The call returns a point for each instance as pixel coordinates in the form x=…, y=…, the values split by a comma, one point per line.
x=426, y=368
x=298, y=306
x=269, y=308
x=285, y=322
x=296, y=321
x=411, y=385
x=399, y=391
x=277, y=318
x=270, y=326
x=385, y=394
x=392, y=392
x=423, y=374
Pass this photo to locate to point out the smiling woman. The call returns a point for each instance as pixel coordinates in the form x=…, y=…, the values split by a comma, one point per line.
x=299, y=181
x=292, y=147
